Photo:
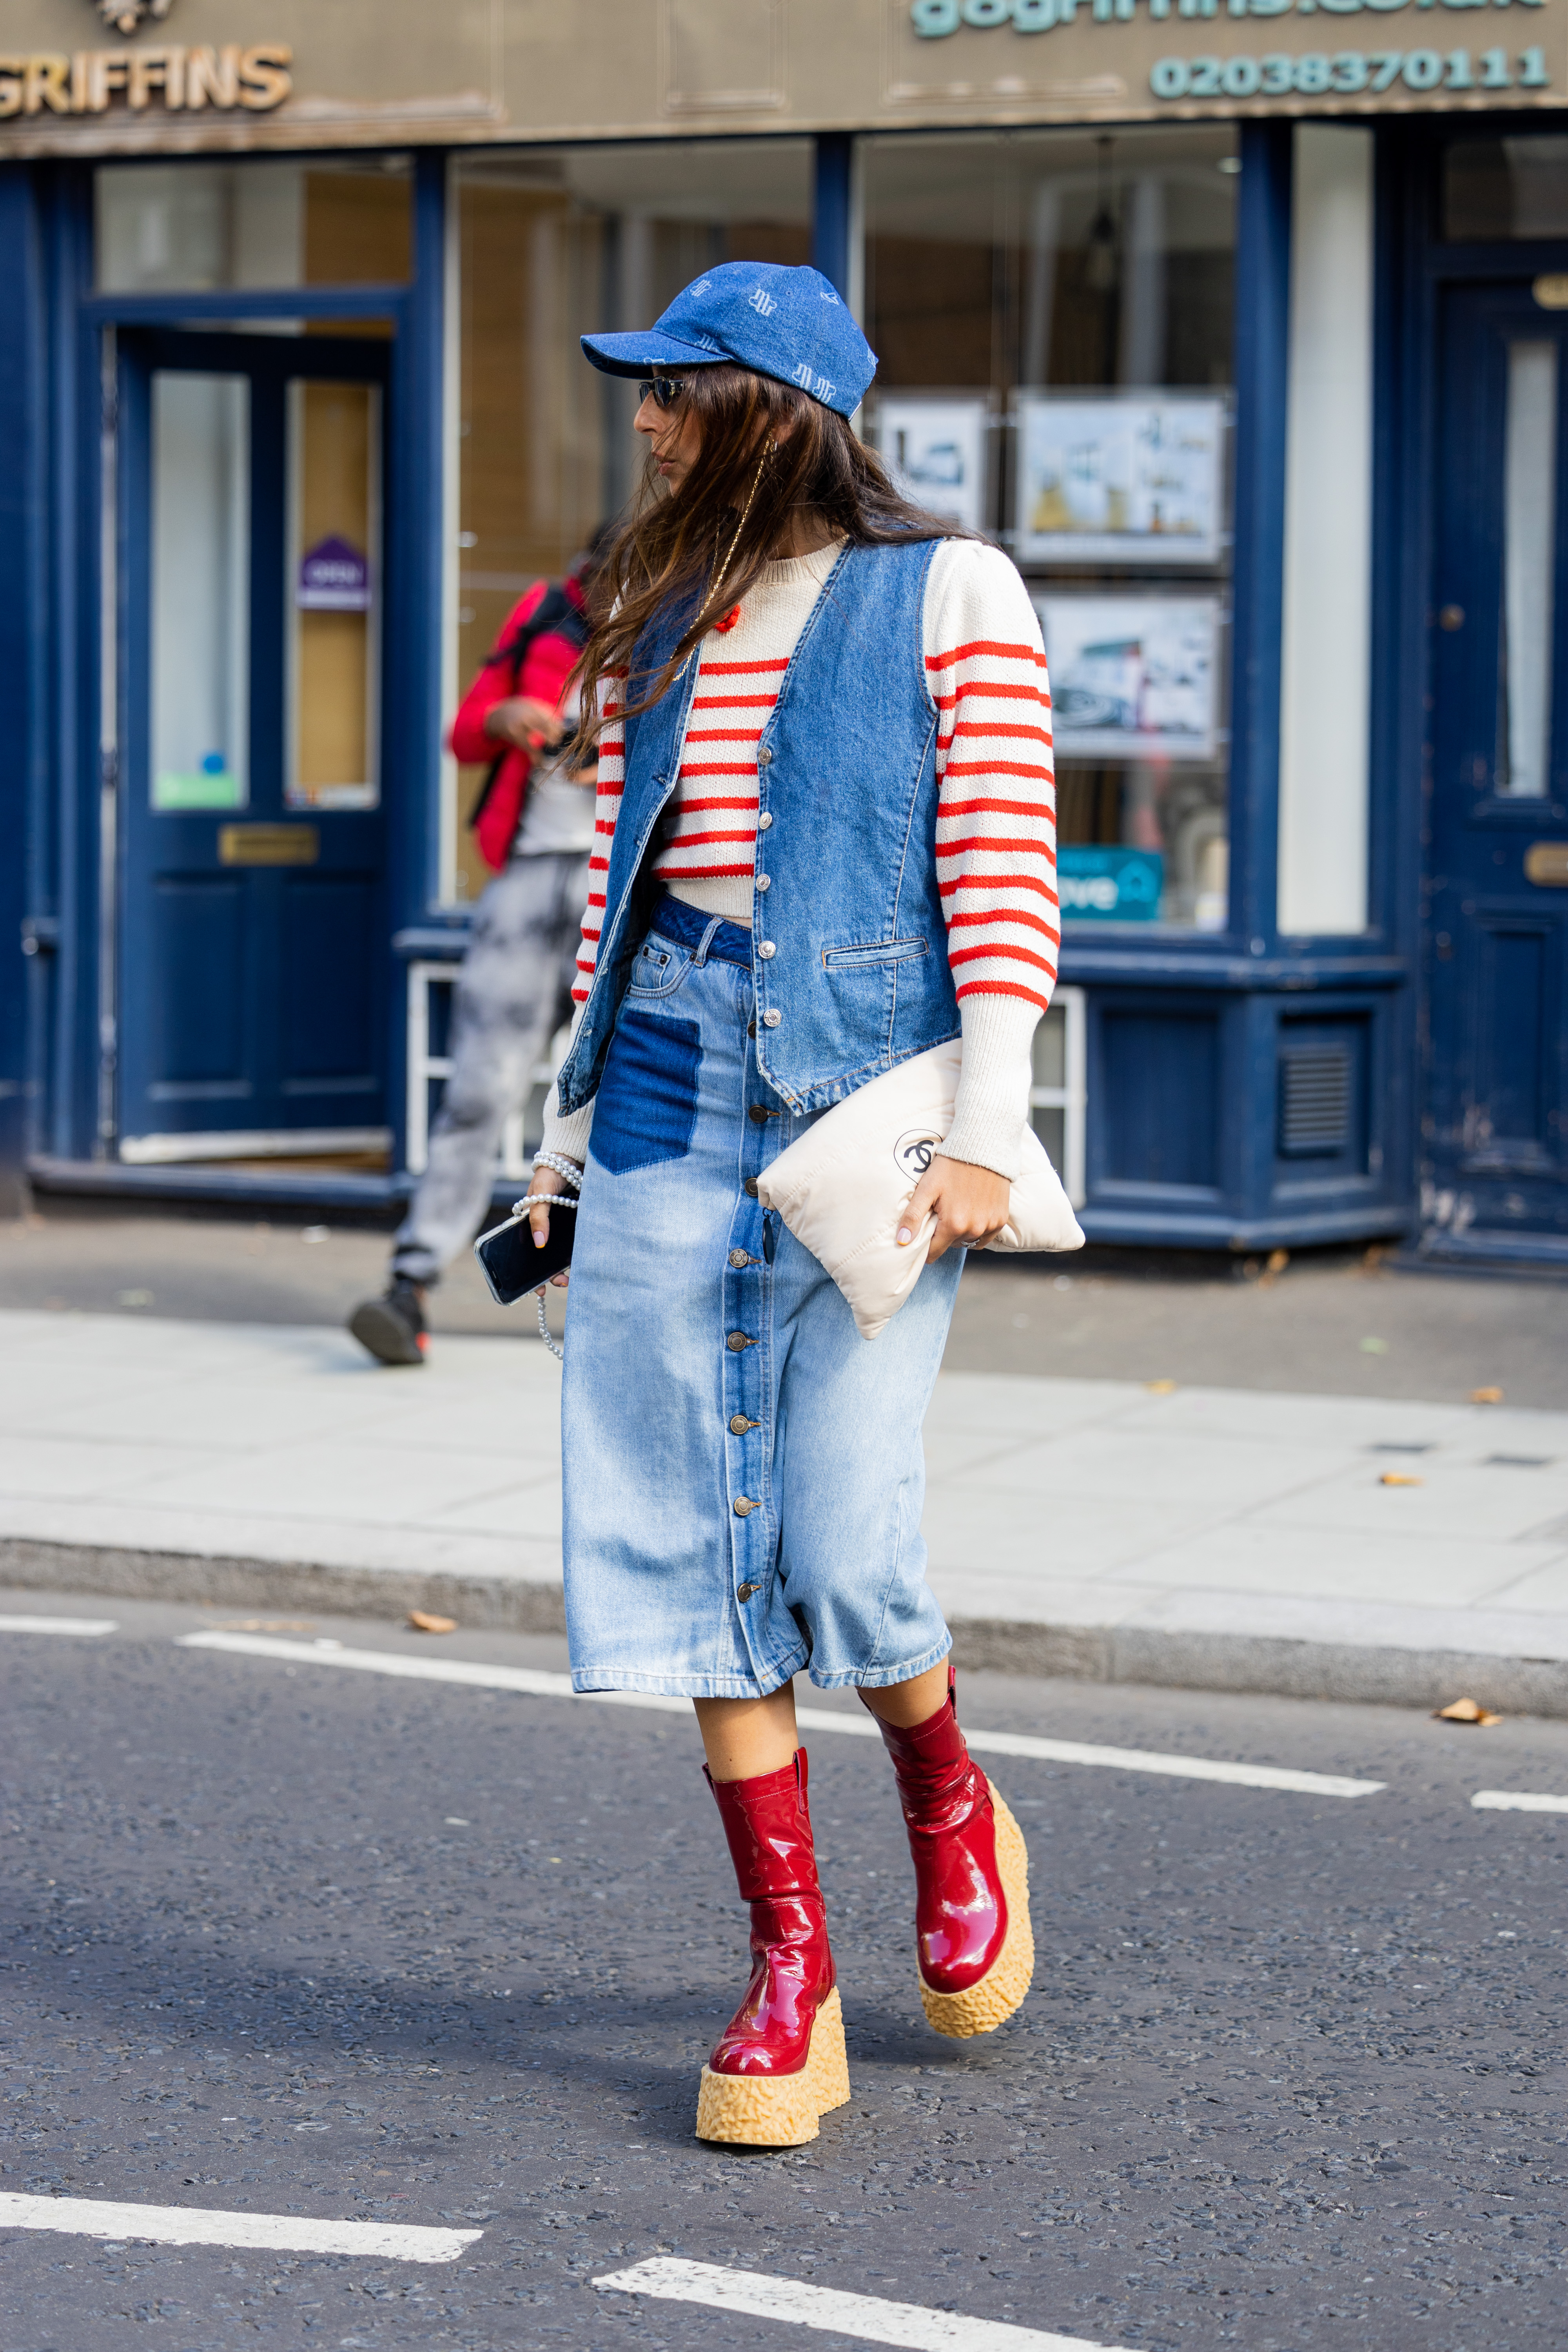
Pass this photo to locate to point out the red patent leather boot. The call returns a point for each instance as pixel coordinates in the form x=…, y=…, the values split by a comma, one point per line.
x=779, y=2063
x=975, y=1944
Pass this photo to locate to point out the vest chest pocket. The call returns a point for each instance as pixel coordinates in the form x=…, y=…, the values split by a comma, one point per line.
x=871, y=952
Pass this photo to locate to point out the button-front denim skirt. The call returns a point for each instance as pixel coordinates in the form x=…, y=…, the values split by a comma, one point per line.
x=743, y=1473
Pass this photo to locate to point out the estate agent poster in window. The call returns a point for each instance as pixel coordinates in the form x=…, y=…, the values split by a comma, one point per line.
x=935, y=449
x=1135, y=478
x=1133, y=677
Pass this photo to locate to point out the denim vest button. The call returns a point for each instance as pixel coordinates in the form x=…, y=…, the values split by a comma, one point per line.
x=746, y=1591
x=772, y=1017
x=739, y=1424
x=764, y=758
x=744, y=1506
x=764, y=821
x=737, y=1342
x=750, y=1188
x=764, y=881
x=740, y=1257
x=766, y=949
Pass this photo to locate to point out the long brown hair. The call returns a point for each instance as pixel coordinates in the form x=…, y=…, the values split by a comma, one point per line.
x=705, y=544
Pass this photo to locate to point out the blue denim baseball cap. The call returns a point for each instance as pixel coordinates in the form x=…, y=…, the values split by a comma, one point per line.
x=787, y=323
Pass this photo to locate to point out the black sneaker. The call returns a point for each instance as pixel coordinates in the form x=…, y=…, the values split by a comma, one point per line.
x=392, y=1328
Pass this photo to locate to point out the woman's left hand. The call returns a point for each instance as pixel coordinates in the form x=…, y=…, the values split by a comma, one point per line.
x=970, y=1205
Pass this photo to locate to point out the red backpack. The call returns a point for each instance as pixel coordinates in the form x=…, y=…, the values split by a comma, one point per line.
x=498, y=811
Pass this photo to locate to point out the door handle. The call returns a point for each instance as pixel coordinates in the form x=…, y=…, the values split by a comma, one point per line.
x=1546, y=865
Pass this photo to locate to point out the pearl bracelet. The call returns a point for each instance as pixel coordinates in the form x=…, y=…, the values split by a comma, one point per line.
x=567, y=1170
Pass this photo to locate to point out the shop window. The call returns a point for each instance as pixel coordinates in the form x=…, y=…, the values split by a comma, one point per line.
x=1503, y=188
x=1053, y=316
x=432, y=1000
x=1058, y=1091
x=194, y=228
x=550, y=246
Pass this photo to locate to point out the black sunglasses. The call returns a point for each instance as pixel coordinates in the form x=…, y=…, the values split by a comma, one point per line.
x=664, y=389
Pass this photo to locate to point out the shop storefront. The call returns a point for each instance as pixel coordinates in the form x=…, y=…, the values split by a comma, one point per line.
x=1242, y=336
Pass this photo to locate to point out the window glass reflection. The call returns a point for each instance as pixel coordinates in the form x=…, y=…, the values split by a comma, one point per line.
x=192, y=229
x=1029, y=294
x=552, y=245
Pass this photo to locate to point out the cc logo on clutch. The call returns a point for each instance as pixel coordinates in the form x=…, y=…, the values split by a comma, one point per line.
x=913, y=1152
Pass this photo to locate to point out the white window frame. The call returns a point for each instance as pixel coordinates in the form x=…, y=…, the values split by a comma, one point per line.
x=512, y=1161
x=1071, y=1097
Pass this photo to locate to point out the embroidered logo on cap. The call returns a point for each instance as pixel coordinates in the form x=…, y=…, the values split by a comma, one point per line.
x=821, y=387
x=762, y=302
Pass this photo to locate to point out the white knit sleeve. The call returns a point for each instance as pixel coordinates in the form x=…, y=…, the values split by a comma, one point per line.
x=995, y=835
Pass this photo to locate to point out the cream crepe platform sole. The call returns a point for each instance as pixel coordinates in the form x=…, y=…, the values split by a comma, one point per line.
x=780, y=2110
x=991, y=2002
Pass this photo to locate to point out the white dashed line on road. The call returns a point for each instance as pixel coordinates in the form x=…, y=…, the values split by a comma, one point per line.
x=533, y=1683
x=837, y=2314
x=58, y=1626
x=1516, y=1801
x=179, y=2225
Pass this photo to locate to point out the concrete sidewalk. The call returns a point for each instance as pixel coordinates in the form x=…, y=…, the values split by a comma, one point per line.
x=1211, y=1537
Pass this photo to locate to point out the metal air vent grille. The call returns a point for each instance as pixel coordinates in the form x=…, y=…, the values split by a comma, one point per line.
x=1314, y=1102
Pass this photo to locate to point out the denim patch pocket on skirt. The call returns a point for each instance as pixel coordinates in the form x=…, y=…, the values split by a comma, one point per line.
x=645, y=1110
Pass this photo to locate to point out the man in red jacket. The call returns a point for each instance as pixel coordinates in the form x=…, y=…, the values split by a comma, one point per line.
x=535, y=823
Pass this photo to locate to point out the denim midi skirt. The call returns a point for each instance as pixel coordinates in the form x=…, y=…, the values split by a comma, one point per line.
x=744, y=1475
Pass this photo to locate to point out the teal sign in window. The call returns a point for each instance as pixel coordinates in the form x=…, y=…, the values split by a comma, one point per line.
x=1110, y=886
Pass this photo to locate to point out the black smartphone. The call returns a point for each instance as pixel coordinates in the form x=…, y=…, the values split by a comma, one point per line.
x=510, y=1264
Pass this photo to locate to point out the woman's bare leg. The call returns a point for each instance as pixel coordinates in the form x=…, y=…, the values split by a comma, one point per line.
x=745, y=1736
x=903, y=1704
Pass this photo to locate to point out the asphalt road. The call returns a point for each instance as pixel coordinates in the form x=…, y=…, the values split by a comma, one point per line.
x=284, y=1939
x=1332, y=1322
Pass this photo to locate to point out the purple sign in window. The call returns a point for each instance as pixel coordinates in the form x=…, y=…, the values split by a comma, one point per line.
x=334, y=578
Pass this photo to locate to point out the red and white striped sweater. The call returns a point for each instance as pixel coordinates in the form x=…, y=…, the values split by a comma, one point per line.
x=995, y=828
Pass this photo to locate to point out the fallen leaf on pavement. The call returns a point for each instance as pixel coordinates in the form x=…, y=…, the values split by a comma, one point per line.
x=421, y=1622
x=1464, y=1710
x=1486, y=1396
x=1399, y=1478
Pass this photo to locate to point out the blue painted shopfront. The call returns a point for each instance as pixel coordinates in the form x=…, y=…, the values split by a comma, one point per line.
x=1245, y=1085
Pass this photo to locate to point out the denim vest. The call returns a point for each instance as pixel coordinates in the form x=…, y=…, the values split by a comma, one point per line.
x=848, y=939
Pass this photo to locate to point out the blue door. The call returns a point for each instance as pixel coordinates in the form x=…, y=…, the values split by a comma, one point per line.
x=252, y=935
x=1496, y=936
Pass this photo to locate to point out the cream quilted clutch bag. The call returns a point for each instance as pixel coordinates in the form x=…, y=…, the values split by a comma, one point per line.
x=842, y=1188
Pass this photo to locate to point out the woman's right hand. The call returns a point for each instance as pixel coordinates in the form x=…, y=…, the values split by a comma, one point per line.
x=526, y=724
x=547, y=1180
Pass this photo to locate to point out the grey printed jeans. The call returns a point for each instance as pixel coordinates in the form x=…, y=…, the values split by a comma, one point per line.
x=513, y=991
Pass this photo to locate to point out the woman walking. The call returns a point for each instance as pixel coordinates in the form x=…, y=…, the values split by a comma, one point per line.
x=825, y=844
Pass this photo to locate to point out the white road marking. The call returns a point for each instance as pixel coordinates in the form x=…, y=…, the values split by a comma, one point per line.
x=180, y=2225
x=1516, y=1801
x=866, y=2316
x=58, y=1626
x=536, y=1683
